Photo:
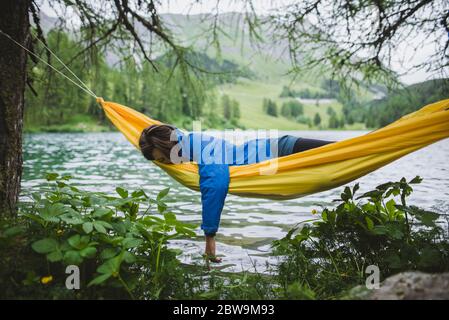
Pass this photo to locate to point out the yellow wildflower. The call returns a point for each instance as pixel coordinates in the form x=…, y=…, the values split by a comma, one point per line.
x=46, y=280
x=314, y=211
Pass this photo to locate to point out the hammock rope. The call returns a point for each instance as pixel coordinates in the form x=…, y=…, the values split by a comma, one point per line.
x=81, y=85
x=66, y=67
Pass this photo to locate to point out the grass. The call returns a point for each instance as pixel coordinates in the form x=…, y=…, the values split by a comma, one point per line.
x=250, y=94
x=78, y=123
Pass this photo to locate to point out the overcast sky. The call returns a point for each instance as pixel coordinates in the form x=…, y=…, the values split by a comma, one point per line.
x=185, y=6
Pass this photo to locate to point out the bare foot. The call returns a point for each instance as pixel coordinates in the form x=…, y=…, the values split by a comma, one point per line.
x=210, y=250
x=212, y=258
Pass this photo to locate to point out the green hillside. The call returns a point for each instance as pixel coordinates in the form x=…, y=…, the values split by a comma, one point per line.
x=250, y=95
x=269, y=64
x=402, y=101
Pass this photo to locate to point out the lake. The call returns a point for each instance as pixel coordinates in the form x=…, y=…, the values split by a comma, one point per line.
x=103, y=161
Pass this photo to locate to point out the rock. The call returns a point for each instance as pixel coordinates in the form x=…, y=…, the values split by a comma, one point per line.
x=413, y=286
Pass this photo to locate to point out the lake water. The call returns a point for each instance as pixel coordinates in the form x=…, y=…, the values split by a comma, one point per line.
x=103, y=161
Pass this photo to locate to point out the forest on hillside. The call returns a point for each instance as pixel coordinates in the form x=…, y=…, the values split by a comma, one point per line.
x=179, y=96
x=171, y=95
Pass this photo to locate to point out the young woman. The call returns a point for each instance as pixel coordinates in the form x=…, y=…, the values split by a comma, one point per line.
x=166, y=144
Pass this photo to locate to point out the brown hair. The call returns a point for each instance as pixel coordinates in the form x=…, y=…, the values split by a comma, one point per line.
x=156, y=137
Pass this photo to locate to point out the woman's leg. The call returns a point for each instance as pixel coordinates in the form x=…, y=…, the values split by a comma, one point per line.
x=303, y=144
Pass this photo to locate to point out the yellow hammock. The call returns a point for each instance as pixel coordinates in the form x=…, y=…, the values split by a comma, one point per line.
x=310, y=171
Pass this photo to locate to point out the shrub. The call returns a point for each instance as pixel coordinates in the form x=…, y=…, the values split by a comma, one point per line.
x=330, y=255
x=118, y=243
x=292, y=108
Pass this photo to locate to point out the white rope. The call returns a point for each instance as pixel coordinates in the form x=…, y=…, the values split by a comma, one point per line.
x=65, y=66
x=84, y=87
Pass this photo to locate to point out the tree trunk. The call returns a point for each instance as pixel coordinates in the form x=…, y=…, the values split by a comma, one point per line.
x=14, y=20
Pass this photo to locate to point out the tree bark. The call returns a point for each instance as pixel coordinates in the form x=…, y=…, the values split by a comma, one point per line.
x=14, y=21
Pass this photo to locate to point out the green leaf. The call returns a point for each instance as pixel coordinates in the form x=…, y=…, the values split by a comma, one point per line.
x=105, y=224
x=108, y=253
x=395, y=232
x=129, y=257
x=100, y=212
x=74, y=241
x=347, y=194
x=416, y=180
x=161, y=207
x=51, y=176
x=88, y=252
x=131, y=242
x=61, y=184
x=428, y=218
x=46, y=245
x=34, y=217
x=73, y=257
x=162, y=194
x=184, y=231
x=55, y=256
x=117, y=240
x=78, y=242
x=14, y=231
x=373, y=195
x=139, y=193
x=36, y=196
x=369, y=223
x=72, y=217
x=99, y=227
x=51, y=211
x=391, y=207
x=88, y=227
x=355, y=188
x=122, y=192
x=170, y=217
x=76, y=202
x=176, y=251
x=111, y=266
x=100, y=279
x=119, y=227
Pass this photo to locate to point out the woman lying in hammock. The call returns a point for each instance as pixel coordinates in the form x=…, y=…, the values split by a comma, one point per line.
x=166, y=144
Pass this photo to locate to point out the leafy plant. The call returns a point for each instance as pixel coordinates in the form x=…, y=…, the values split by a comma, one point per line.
x=120, y=244
x=329, y=255
x=116, y=241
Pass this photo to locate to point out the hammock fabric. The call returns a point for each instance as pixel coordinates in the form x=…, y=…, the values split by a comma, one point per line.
x=310, y=171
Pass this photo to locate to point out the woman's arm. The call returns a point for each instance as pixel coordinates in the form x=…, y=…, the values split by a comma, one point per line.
x=214, y=184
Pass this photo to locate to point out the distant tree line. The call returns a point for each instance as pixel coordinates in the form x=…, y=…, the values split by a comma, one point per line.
x=330, y=90
x=395, y=104
x=231, y=109
x=335, y=122
x=270, y=107
x=382, y=112
x=289, y=109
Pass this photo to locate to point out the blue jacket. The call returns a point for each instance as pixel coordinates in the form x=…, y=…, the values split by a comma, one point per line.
x=214, y=156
